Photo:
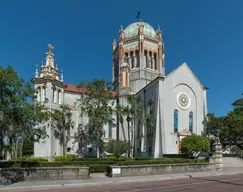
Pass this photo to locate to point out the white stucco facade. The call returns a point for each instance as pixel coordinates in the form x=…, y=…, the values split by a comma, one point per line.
x=138, y=67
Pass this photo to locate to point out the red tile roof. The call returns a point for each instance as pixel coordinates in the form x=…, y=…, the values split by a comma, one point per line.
x=75, y=89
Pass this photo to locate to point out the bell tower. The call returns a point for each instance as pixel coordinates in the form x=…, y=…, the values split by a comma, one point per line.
x=49, y=83
x=138, y=58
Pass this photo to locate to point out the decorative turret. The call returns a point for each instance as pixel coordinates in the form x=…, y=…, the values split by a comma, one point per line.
x=49, y=70
x=159, y=33
x=121, y=34
x=48, y=83
x=114, y=45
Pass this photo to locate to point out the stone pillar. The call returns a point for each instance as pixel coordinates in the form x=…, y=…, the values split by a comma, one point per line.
x=217, y=155
x=135, y=60
x=152, y=62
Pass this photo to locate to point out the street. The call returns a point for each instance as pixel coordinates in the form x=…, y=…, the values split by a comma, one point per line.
x=214, y=184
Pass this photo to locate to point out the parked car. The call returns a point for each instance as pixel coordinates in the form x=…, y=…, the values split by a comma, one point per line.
x=202, y=155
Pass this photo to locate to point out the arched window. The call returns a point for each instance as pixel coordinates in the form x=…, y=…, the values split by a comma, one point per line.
x=146, y=58
x=191, y=121
x=39, y=94
x=53, y=94
x=59, y=97
x=175, y=121
x=110, y=130
x=137, y=59
x=132, y=59
x=44, y=94
x=155, y=61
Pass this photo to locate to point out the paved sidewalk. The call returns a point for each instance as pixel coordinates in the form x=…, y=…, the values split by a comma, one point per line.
x=98, y=179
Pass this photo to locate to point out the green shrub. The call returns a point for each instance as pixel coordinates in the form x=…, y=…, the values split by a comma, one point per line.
x=36, y=159
x=97, y=168
x=194, y=143
x=101, y=159
x=96, y=165
x=66, y=158
x=161, y=161
x=18, y=159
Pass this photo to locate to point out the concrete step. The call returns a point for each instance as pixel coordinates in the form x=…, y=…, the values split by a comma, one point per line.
x=232, y=162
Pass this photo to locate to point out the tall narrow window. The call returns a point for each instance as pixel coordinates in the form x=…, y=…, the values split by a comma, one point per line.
x=53, y=94
x=137, y=59
x=191, y=121
x=44, y=94
x=138, y=131
x=155, y=61
x=39, y=94
x=110, y=130
x=132, y=59
x=146, y=58
x=59, y=97
x=175, y=121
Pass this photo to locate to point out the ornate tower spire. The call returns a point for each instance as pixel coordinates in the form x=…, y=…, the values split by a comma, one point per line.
x=49, y=70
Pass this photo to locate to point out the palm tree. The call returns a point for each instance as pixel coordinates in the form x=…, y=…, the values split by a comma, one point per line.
x=133, y=101
x=63, y=123
x=147, y=119
x=120, y=113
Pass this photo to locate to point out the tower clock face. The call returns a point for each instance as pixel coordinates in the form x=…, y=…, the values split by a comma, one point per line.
x=183, y=100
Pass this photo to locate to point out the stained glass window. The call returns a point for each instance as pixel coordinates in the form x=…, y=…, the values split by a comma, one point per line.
x=191, y=121
x=175, y=121
x=138, y=132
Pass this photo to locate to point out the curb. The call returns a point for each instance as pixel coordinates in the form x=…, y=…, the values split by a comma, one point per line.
x=57, y=186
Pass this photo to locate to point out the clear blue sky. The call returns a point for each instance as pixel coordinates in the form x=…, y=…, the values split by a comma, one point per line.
x=207, y=35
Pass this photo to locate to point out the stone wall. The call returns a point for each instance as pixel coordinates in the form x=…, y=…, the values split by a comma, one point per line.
x=12, y=175
x=137, y=170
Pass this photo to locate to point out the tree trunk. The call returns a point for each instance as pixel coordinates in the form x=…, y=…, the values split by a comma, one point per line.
x=16, y=148
x=129, y=138
x=133, y=137
x=98, y=152
x=12, y=148
x=123, y=130
x=63, y=145
x=1, y=147
x=21, y=148
x=145, y=139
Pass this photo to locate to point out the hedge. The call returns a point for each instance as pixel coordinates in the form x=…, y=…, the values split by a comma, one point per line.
x=97, y=168
x=30, y=159
x=100, y=159
x=162, y=161
x=66, y=158
x=96, y=165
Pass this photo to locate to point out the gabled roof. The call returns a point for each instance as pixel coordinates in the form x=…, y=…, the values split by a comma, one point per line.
x=194, y=76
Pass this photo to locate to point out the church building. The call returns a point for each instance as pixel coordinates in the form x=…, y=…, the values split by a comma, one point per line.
x=178, y=99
